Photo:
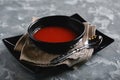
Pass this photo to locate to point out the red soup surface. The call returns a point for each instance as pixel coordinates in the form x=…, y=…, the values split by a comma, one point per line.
x=54, y=34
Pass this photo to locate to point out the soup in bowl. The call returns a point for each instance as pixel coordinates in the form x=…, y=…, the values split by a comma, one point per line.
x=55, y=34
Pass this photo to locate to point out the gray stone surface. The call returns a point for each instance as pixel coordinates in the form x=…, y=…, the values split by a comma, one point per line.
x=15, y=16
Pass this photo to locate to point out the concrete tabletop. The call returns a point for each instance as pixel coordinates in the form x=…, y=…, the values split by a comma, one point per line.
x=16, y=15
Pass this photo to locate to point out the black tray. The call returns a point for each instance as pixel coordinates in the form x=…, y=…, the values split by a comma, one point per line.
x=11, y=41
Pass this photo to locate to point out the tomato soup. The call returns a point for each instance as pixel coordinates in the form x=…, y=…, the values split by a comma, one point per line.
x=54, y=34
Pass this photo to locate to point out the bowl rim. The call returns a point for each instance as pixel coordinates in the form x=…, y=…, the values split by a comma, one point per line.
x=76, y=38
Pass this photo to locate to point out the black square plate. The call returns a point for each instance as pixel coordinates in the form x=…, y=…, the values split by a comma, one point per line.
x=11, y=41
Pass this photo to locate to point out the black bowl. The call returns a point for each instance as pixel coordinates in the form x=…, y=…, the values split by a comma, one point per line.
x=58, y=20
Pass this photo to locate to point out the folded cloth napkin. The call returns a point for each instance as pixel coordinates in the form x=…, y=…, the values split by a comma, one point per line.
x=35, y=56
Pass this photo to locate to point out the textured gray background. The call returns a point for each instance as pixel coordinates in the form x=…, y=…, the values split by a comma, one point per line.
x=15, y=16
